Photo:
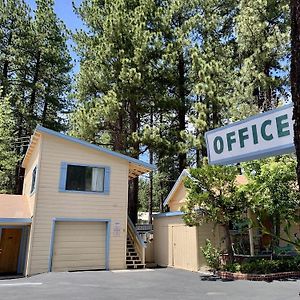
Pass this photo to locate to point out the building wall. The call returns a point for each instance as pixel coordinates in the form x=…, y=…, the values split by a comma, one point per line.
x=214, y=233
x=294, y=231
x=31, y=164
x=54, y=204
x=178, y=199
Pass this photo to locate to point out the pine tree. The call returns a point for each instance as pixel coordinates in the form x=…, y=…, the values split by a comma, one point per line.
x=262, y=29
x=115, y=85
x=34, y=67
x=213, y=64
x=14, y=25
x=8, y=145
x=49, y=69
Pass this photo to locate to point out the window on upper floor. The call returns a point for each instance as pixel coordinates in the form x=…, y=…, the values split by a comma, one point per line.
x=33, y=181
x=84, y=178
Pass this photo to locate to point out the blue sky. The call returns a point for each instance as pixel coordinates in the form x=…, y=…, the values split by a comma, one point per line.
x=64, y=10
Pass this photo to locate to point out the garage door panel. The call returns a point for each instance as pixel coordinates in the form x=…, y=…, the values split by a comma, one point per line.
x=79, y=246
x=79, y=231
x=77, y=268
x=92, y=250
x=80, y=257
x=87, y=238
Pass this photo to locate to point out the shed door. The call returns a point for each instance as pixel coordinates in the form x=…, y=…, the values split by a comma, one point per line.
x=185, y=248
x=79, y=246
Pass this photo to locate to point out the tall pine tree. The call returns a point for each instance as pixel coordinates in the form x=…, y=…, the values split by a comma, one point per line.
x=34, y=67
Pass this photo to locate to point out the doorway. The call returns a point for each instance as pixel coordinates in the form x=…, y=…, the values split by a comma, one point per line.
x=13, y=242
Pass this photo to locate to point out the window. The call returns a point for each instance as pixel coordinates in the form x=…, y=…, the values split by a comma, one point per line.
x=33, y=180
x=84, y=178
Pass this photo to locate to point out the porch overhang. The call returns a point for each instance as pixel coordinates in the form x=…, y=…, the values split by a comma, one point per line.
x=136, y=170
x=14, y=210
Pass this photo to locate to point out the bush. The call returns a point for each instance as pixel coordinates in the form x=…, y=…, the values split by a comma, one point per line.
x=235, y=267
x=211, y=255
x=263, y=266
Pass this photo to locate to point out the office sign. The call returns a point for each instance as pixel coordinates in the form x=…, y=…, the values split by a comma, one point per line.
x=266, y=134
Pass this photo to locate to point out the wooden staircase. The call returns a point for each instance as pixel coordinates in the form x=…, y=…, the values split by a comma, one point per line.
x=133, y=261
x=135, y=254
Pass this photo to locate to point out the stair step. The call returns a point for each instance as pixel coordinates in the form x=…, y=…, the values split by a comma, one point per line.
x=139, y=266
x=135, y=258
x=132, y=257
x=130, y=267
x=131, y=254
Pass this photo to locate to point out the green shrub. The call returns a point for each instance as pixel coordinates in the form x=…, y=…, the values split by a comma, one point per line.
x=235, y=267
x=263, y=266
x=211, y=255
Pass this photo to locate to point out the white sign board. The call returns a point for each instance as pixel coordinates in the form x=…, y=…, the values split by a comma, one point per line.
x=117, y=229
x=262, y=135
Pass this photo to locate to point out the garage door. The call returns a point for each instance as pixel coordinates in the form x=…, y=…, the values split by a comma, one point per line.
x=79, y=246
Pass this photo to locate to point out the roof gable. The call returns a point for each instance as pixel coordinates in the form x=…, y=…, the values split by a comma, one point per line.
x=240, y=180
x=183, y=175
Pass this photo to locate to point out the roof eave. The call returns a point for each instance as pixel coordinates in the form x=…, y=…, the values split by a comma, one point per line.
x=40, y=129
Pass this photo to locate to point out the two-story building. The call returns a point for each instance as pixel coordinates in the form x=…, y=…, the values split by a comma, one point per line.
x=73, y=211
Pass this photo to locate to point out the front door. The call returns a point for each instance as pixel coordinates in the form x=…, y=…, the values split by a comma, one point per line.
x=9, y=249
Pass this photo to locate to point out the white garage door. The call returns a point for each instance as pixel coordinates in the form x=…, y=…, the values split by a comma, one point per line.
x=79, y=246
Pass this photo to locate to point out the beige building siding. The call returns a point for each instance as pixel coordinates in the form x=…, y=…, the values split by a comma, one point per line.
x=178, y=198
x=294, y=231
x=215, y=233
x=31, y=164
x=54, y=204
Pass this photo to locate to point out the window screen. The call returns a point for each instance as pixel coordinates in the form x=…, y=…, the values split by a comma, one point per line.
x=84, y=178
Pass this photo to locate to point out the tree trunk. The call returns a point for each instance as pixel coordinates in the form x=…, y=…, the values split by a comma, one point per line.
x=45, y=108
x=250, y=231
x=150, y=200
x=161, y=202
x=19, y=180
x=133, y=195
x=277, y=228
x=5, y=68
x=295, y=75
x=150, y=204
x=229, y=243
x=34, y=87
x=133, y=190
x=182, y=106
x=118, y=134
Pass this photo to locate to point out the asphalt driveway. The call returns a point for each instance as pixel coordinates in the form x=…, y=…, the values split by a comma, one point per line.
x=142, y=284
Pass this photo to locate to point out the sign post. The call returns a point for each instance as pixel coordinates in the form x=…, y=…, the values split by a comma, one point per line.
x=266, y=134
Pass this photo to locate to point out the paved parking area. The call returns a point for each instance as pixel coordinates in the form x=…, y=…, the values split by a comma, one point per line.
x=142, y=284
